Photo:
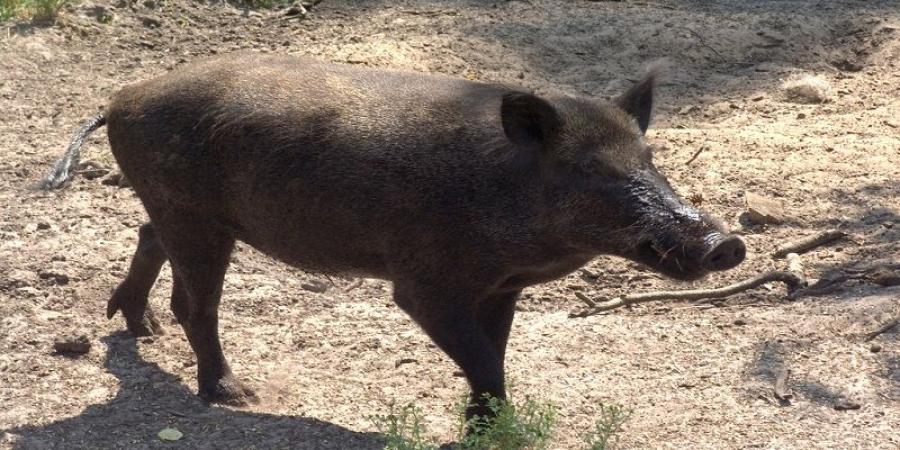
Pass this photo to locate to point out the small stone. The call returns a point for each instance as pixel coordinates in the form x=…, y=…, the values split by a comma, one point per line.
x=170, y=434
x=801, y=116
x=740, y=322
x=315, y=286
x=150, y=22
x=58, y=278
x=891, y=123
x=403, y=361
x=846, y=405
x=885, y=277
x=75, y=344
x=116, y=179
x=296, y=10
x=875, y=348
x=763, y=210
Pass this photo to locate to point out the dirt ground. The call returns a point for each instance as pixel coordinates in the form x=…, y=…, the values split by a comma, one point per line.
x=697, y=378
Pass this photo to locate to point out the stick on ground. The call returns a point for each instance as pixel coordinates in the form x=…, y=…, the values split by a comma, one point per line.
x=808, y=243
x=695, y=155
x=882, y=329
x=792, y=280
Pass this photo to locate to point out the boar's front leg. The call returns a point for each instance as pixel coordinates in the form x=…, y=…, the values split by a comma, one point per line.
x=199, y=254
x=495, y=315
x=451, y=319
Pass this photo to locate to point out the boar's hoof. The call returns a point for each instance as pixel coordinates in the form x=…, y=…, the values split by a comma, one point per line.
x=146, y=326
x=229, y=391
x=139, y=318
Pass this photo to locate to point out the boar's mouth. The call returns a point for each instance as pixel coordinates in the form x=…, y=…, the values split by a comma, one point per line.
x=692, y=258
x=670, y=259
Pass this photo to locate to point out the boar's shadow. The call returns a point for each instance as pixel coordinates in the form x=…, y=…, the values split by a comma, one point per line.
x=149, y=399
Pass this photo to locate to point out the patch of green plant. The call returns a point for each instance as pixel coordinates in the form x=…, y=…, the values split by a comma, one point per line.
x=607, y=427
x=31, y=9
x=402, y=429
x=525, y=425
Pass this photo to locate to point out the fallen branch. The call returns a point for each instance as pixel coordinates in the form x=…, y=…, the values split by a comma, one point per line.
x=701, y=296
x=808, y=243
x=587, y=300
x=882, y=329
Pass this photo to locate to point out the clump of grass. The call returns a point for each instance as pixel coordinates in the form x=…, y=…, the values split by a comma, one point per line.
x=403, y=430
x=31, y=9
x=607, y=427
x=526, y=425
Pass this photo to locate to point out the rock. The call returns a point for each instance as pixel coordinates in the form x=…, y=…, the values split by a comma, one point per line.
x=846, y=405
x=294, y=11
x=807, y=89
x=150, y=22
x=58, y=278
x=116, y=179
x=875, y=348
x=76, y=344
x=315, y=286
x=763, y=210
x=884, y=276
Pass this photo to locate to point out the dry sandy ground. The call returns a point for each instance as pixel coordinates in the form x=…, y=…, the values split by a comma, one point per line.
x=323, y=362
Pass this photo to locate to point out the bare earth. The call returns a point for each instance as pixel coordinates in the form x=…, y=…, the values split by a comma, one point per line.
x=323, y=362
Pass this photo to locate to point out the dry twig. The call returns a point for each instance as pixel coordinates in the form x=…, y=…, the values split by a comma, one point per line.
x=695, y=155
x=882, y=329
x=702, y=296
x=587, y=300
x=808, y=243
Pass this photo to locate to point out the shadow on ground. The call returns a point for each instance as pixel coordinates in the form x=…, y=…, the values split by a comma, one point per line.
x=149, y=399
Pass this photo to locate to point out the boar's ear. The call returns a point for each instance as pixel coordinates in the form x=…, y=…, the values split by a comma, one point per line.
x=528, y=119
x=638, y=100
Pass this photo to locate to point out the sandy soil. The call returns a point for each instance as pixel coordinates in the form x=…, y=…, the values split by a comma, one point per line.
x=322, y=362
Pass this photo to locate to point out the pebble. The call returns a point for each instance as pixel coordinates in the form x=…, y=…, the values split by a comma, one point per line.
x=76, y=344
x=763, y=210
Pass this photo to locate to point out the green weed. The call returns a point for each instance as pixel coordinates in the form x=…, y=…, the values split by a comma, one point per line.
x=31, y=9
x=607, y=427
x=402, y=429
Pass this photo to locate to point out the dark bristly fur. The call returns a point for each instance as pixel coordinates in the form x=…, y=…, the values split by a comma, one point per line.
x=460, y=193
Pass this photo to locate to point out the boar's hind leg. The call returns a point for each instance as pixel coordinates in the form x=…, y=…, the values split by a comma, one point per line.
x=131, y=295
x=451, y=322
x=199, y=253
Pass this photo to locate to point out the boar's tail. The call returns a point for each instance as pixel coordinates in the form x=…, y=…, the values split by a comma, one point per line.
x=63, y=169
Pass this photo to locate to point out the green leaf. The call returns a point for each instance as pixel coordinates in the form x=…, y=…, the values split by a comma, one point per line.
x=170, y=434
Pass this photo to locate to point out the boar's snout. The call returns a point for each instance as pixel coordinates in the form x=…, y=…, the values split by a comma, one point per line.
x=725, y=252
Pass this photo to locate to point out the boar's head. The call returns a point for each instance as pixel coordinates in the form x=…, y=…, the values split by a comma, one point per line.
x=601, y=191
